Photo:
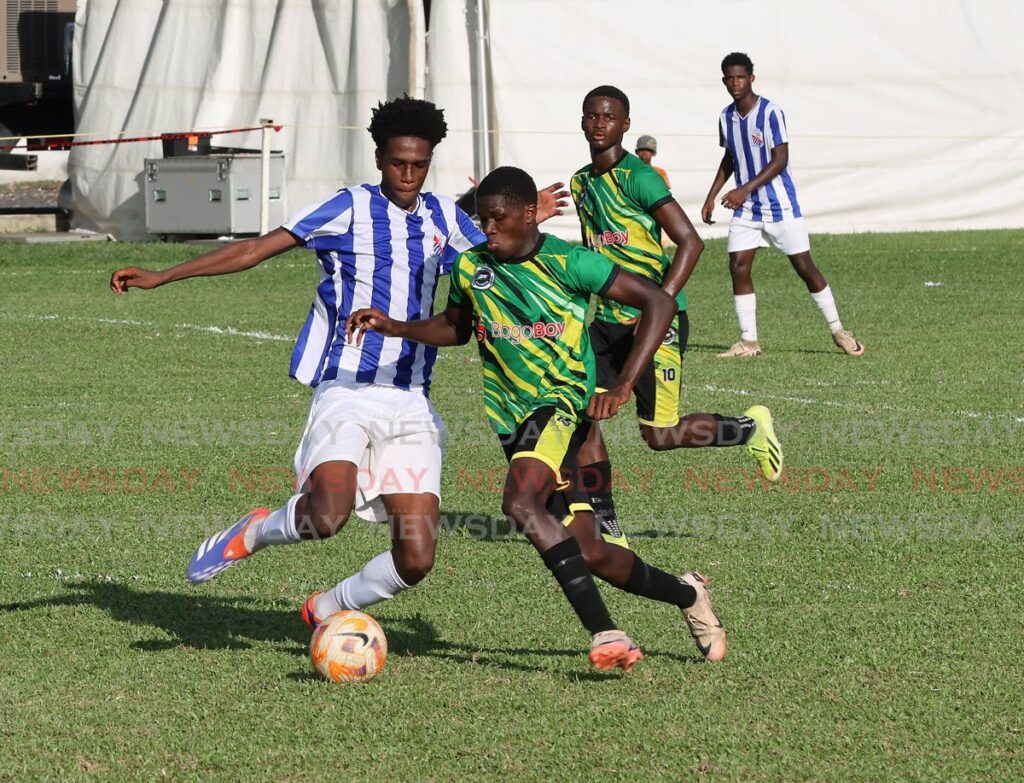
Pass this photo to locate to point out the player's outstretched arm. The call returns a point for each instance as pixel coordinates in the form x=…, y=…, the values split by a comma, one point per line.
x=657, y=309
x=725, y=170
x=780, y=157
x=233, y=257
x=689, y=245
x=451, y=327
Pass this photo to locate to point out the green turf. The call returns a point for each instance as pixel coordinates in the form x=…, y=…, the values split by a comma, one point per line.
x=874, y=599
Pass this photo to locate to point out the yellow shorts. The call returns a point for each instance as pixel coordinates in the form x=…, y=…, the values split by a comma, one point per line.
x=555, y=437
x=660, y=386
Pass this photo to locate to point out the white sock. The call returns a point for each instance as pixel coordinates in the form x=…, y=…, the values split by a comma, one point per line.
x=378, y=581
x=827, y=304
x=277, y=528
x=746, y=313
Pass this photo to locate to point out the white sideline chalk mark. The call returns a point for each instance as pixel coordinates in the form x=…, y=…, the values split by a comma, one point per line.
x=223, y=330
x=932, y=284
x=836, y=384
x=230, y=330
x=848, y=406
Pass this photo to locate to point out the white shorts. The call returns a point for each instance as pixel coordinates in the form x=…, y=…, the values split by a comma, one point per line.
x=788, y=235
x=394, y=436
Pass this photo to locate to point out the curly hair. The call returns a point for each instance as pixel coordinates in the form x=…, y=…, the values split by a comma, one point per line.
x=407, y=116
x=737, y=58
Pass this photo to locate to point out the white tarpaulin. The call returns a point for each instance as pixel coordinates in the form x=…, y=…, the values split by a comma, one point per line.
x=313, y=65
x=901, y=116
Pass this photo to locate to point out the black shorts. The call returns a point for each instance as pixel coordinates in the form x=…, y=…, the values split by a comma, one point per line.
x=658, y=390
x=554, y=437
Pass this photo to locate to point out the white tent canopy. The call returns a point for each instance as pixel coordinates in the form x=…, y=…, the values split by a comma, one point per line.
x=902, y=116
x=315, y=67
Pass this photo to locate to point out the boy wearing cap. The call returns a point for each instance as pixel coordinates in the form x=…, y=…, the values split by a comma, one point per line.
x=646, y=149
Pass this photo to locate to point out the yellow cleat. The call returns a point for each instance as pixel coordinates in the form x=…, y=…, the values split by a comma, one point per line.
x=763, y=445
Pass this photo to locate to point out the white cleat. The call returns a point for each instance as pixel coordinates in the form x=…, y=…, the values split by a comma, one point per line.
x=744, y=349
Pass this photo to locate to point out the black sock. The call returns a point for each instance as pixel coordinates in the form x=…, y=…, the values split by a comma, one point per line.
x=596, y=482
x=565, y=559
x=651, y=582
x=733, y=430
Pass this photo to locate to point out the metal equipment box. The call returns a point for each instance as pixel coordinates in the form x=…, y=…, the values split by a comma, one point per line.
x=211, y=194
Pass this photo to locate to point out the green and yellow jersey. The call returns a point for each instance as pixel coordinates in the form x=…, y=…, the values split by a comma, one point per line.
x=530, y=322
x=615, y=210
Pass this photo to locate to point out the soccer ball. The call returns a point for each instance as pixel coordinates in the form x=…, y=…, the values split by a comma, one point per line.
x=349, y=647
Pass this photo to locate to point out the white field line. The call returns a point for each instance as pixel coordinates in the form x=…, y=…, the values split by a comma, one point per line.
x=263, y=336
x=853, y=406
x=222, y=330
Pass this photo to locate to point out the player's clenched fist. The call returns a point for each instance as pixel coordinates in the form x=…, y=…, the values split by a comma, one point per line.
x=370, y=319
x=604, y=405
x=133, y=277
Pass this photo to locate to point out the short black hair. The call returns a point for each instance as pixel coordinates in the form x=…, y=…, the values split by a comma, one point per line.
x=407, y=116
x=737, y=58
x=510, y=183
x=607, y=91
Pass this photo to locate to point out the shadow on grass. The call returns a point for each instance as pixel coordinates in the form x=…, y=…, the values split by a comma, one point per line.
x=211, y=622
x=194, y=621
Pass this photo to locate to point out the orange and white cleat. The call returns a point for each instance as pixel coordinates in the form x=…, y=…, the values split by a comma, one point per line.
x=222, y=550
x=613, y=649
x=308, y=612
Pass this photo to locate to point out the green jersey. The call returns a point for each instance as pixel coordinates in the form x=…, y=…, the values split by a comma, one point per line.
x=530, y=321
x=615, y=210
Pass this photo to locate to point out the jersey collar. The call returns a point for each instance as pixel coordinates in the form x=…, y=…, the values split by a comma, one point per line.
x=595, y=174
x=414, y=211
x=536, y=249
x=744, y=116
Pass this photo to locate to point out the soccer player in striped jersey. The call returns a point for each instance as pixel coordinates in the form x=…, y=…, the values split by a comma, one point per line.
x=623, y=207
x=373, y=440
x=765, y=208
x=524, y=295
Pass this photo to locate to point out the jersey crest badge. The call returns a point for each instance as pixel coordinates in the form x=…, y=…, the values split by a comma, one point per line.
x=483, y=278
x=438, y=247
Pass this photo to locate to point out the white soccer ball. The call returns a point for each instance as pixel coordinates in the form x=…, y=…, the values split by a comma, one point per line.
x=349, y=647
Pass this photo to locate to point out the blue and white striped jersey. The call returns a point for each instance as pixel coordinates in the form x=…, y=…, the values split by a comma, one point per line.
x=373, y=253
x=750, y=140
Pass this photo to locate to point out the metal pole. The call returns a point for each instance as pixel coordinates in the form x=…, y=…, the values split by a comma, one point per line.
x=482, y=91
x=265, y=176
x=417, y=48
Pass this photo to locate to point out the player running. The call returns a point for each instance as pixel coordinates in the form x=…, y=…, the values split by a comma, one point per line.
x=524, y=295
x=765, y=209
x=623, y=206
x=372, y=440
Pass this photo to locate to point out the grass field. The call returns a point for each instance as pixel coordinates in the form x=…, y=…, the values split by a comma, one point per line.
x=873, y=598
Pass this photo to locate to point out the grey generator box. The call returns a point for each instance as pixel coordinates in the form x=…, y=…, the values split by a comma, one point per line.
x=211, y=194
